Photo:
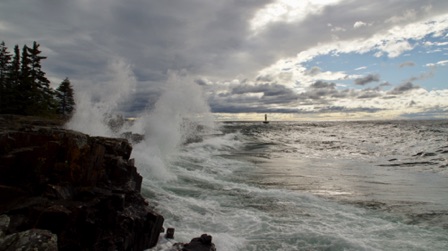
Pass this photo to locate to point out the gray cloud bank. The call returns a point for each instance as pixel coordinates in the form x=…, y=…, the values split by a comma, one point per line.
x=210, y=39
x=367, y=79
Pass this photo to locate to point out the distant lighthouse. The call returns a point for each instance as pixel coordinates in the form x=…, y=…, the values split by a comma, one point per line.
x=265, y=119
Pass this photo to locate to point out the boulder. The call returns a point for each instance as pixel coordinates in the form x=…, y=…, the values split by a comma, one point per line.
x=203, y=243
x=85, y=190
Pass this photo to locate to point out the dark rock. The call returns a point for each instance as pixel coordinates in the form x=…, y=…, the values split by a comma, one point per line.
x=59, y=192
x=84, y=189
x=32, y=239
x=203, y=243
x=169, y=233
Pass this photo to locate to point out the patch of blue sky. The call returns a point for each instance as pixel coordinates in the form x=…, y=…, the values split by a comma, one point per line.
x=422, y=65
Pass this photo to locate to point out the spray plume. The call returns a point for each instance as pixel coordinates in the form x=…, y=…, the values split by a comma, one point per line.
x=180, y=108
x=96, y=101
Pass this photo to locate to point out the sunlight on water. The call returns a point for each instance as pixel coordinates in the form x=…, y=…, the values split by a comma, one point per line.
x=255, y=196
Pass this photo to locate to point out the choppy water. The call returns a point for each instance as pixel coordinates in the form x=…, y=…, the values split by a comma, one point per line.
x=308, y=186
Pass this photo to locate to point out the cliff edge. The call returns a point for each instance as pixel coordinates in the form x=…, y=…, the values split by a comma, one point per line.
x=75, y=191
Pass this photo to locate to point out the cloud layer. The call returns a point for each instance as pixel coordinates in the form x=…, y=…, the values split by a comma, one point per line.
x=249, y=56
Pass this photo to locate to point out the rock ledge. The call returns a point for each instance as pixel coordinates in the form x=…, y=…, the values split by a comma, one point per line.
x=83, y=190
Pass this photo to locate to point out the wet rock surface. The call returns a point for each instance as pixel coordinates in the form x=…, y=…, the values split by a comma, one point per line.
x=84, y=190
x=202, y=243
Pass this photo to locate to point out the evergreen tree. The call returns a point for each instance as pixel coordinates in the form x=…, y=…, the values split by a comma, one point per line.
x=15, y=101
x=5, y=88
x=37, y=75
x=25, y=100
x=14, y=72
x=65, y=96
x=25, y=66
x=5, y=62
x=24, y=89
x=42, y=94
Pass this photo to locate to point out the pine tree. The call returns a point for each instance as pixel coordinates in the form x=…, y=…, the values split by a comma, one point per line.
x=25, y=65
x=37, y=75
x=5, y=86
x=5, y=62
x=14, y=72
x=25, y=96
x=24, y=89
x=65, y=96
x=42, y=94
x=15, y=102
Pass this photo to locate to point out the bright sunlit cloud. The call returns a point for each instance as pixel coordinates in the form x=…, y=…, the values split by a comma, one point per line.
x=288, y=11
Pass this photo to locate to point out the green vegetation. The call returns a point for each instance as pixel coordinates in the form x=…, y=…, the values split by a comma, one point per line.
x=25, y=90
x=64, y=94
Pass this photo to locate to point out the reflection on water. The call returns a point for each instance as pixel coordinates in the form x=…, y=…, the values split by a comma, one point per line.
x=302, y=186
x=395, y=166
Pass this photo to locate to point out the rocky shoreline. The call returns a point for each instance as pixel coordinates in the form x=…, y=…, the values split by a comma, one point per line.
x=65, y=190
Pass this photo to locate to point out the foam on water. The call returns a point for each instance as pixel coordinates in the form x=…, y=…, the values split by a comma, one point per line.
x=241, y=217
x=264, y=216
x=244, y=216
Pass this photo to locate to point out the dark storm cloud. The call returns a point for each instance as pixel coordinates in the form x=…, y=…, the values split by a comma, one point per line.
x=323, y=85
x=243, y=97
x=201, y=82
x=204, y=37
x=370, y=93
x=264, y=78
x=154, y=36
x=324, y=92
x=236, y=104
x=210, y=39
x=144, y=98
x=367, y=79
x=422, y=76
x=321, y=90
x=257, y=98
x=266, y=89
x=333, y=109
x=436, y=112
x=384, y=84
x=403, y=88
x=237, y=108
x=270, y=93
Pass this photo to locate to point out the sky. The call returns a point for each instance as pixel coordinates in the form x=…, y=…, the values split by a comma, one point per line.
x=294, y=60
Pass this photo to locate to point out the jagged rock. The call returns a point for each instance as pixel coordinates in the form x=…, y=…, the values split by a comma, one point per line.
x=84, y=189
x=203, y=243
